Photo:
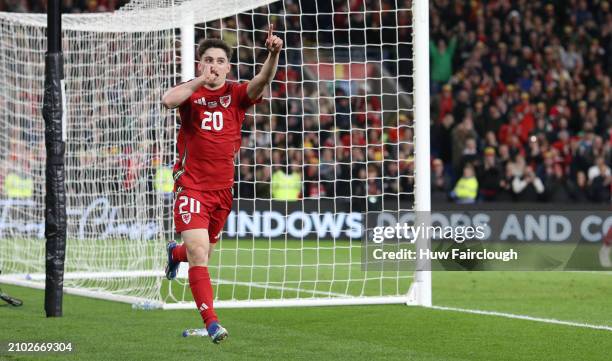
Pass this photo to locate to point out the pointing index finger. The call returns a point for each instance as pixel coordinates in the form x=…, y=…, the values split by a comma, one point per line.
x=270, y=30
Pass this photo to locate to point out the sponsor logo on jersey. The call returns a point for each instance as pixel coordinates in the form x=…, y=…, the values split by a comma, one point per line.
x=225, y=100
x=186, y=217
x=212, y=104
x=201, y=101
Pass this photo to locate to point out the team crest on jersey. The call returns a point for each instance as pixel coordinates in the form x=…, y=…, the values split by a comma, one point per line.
x=186, y=217
x=212, y=104
x=201, y=101
x=225, y=100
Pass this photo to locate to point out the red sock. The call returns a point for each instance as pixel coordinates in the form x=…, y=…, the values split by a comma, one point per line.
x=179, y=253
x=201, y=289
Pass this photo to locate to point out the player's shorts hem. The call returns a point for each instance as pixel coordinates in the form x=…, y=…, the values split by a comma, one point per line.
x=194, y=209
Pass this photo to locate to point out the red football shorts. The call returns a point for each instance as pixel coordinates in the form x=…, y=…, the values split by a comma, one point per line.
x=195, y=209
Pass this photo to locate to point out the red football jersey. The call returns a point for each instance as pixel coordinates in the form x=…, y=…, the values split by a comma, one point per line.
x=209, y=136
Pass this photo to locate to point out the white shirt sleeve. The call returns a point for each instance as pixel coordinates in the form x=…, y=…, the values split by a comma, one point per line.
x=539, y=186
x=518, y=185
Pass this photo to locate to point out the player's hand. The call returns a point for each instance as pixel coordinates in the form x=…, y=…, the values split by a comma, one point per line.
x=274, y=44
x=208, y=74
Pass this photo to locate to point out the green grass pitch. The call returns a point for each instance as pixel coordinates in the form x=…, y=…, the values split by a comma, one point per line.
x=102, y=330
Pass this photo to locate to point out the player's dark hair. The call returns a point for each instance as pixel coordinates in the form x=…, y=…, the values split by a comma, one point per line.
x=206, y=44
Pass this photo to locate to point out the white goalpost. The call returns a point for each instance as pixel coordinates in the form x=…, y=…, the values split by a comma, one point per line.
x=420, y=292
x=347, y=117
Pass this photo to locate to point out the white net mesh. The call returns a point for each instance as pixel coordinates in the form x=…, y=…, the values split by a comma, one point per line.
x=117, y=138
x=337, y=117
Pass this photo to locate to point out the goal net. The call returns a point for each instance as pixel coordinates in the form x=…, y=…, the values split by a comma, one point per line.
x=334, y=139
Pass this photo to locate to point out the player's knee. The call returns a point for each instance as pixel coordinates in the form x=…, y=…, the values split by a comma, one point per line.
x=197, y=247
x=197, y=255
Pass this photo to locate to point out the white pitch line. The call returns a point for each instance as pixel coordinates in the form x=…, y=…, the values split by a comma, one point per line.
x=524, y=317
x=597, y=273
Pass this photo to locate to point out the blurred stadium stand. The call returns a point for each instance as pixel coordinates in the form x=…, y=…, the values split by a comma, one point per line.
x=520, y=92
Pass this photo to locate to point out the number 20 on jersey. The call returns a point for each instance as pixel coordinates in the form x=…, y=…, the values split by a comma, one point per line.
x=212, y=121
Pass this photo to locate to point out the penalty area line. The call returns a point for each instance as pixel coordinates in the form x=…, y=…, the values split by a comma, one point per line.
x=524, y=317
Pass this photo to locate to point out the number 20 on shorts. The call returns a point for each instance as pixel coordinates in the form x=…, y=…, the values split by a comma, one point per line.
x=194, y=205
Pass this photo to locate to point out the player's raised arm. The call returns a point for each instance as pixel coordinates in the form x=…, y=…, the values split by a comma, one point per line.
x=177, y=95
x=274, y=44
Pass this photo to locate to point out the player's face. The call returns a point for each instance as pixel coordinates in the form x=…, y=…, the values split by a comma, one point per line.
x=216, y=59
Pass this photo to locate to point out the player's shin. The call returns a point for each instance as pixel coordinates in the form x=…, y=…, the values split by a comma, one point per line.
x=201, y=289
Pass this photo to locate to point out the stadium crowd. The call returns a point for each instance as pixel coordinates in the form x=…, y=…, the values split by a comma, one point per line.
x=520, y=100
x=520, y=109
x=326, y=130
